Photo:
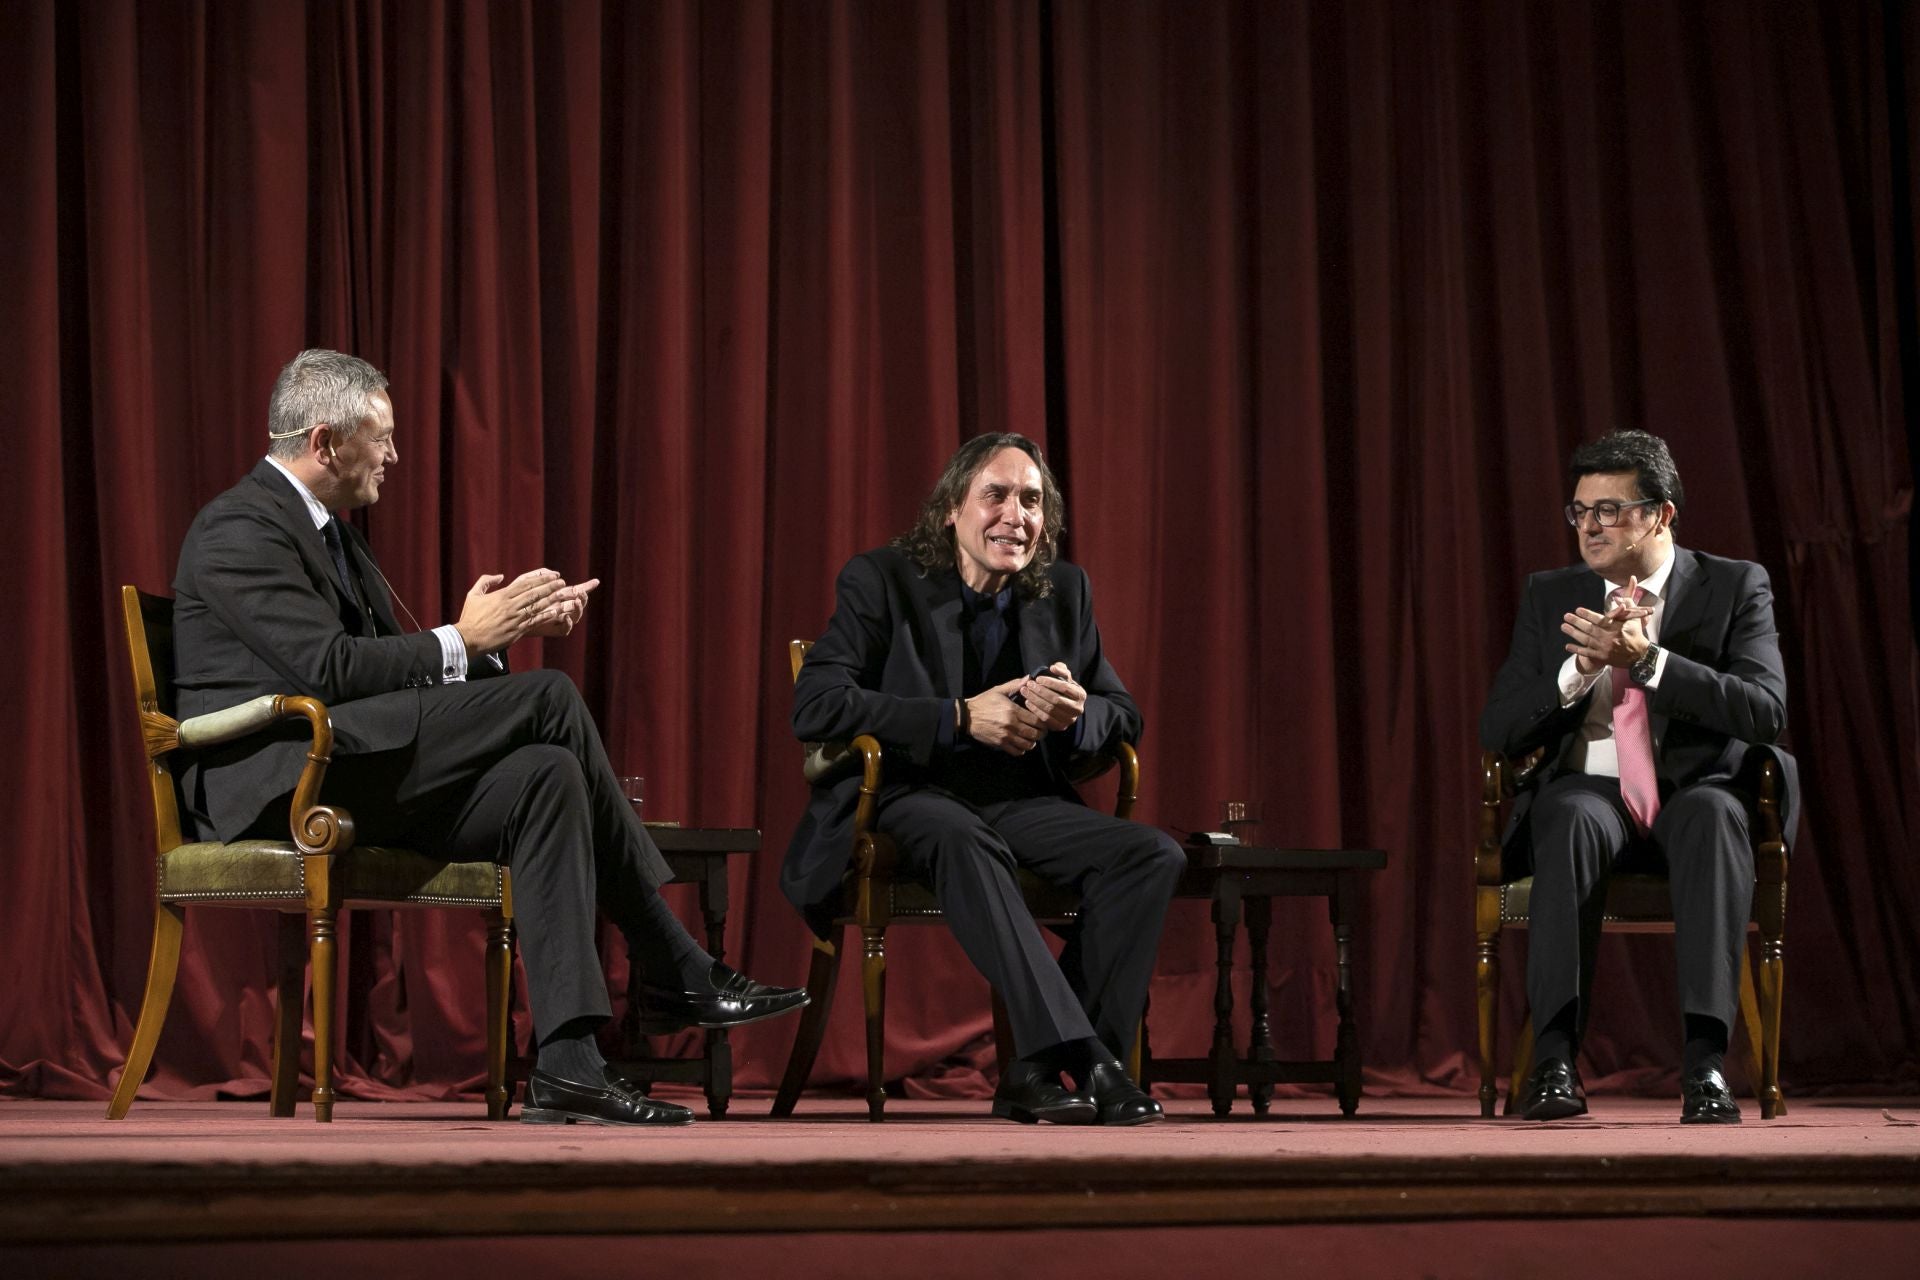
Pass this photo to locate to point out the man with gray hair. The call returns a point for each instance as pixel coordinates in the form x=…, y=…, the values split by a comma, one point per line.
x=435, y=744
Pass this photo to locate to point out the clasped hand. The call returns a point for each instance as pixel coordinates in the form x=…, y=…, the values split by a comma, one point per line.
x=537, y=603
x=1053, y=701
x=1616, y=638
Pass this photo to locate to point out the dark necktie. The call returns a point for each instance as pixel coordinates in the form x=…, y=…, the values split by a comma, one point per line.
x=337, y=548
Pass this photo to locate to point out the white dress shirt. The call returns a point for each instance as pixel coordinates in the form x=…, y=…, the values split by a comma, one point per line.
x=1593, y=750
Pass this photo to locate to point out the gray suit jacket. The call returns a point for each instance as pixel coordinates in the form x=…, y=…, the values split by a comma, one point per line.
x=891, y=663
x=259, y=608
x=1722, y=698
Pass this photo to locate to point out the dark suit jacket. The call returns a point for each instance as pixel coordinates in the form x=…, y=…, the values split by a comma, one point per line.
x=1722, y=696
x=891, y=663
x=259, y=608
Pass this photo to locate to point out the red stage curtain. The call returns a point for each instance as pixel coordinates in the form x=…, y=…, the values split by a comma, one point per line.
x=1308, y=302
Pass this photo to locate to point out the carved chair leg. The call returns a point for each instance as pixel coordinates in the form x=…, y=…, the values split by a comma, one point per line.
x=1522, y=1064
x=1486, y=976
x=168, y=922
x=321, y=927
x=1752, y=1041
x=821, y=976
x=1773, y=992
x=873, y=986
x=1002, y=1034
x=289, y=1013
x=499, y=965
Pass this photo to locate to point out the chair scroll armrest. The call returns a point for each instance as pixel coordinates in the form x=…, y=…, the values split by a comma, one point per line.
x=872, y=763
x=1129, y=790
x=1496, y=785
x=316, y=828
x=216, y=727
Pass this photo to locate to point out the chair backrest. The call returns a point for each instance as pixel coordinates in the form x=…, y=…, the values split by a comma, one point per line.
x=797, y=654
x=149, y=622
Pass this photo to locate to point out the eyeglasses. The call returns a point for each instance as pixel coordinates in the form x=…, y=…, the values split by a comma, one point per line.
x=1607, y=512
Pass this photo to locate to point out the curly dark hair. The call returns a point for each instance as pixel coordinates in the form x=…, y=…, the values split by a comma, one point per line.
x=1637, y=451
x=929, y=543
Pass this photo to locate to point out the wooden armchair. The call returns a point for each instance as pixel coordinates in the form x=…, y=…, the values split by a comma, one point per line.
x=874, y=899
x=314, y=874
x=1636, y=903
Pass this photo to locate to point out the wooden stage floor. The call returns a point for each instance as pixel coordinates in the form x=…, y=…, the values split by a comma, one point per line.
x=227, y=1172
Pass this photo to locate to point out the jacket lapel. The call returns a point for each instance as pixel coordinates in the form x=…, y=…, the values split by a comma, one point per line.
x=1687, y=598
x=291, y=510
x=939, y=594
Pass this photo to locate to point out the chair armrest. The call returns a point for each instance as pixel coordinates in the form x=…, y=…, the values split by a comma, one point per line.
x=216, y=727
x=316, y=828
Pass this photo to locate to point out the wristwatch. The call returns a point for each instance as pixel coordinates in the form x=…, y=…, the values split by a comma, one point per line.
x=1646, y=665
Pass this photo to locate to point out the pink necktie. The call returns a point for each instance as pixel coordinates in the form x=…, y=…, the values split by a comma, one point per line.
x=1633, y=744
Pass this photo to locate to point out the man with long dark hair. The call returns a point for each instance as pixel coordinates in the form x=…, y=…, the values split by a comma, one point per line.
x=969, y=649
x=1651, y=674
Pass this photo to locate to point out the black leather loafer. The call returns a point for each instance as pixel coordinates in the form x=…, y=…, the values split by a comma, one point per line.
x=552, y=1100
x=731, y=1000
x=1554, y=1092
x=1029, y=1093
x=1116, y=1098
x=1705, y=1099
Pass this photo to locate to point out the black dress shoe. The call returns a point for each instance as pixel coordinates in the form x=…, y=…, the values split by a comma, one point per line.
x=730, y=1000
x=1116, y=1098
x=1029, y=1092
x=1554, y=1092
x=1705, y=1099
x=552, y=1100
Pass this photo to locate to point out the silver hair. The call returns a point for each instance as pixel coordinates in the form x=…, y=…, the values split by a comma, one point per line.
x=319, y=387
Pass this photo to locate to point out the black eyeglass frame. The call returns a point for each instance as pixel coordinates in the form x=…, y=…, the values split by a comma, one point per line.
x=1577, y=513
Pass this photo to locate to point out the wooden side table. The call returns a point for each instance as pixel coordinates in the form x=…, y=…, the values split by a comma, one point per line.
x=1243, y=880
x=696, y=855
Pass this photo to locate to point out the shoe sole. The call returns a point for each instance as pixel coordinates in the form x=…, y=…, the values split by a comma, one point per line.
x=547, y=1115
x=1556, y=1110
x=653, y=1027
x=1022, y=1115
x=1732, y=1119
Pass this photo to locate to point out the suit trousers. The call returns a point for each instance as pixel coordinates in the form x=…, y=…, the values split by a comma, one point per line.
x=1581, y=831
x=1124, y=872
x=512, y=770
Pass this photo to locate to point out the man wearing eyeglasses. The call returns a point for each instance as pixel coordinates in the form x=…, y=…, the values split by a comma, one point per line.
x=1651, y=675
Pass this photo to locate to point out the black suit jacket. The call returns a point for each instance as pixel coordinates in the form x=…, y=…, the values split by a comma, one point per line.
x=259, y=608
x=1722, y=696
x=891, y=663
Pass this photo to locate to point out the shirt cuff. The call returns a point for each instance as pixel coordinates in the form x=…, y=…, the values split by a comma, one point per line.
x=453, y=654
x=1574, y=685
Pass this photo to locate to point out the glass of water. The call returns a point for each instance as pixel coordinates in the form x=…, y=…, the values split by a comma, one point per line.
x=635, y=790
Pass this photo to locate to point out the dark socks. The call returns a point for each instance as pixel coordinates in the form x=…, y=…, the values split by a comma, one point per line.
x=1706, y=1046
x=571, y=1054
x=1555, y=1039
x=668, y=955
